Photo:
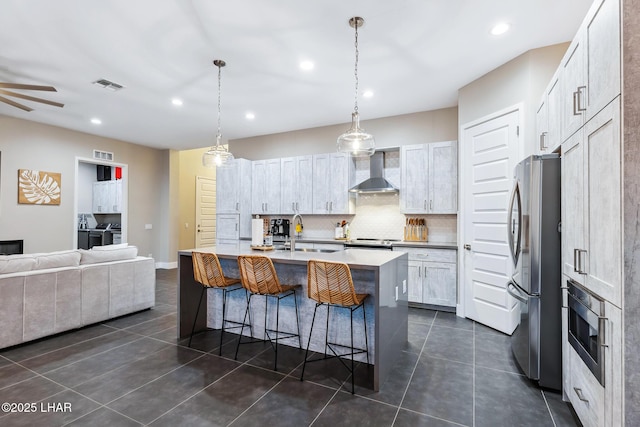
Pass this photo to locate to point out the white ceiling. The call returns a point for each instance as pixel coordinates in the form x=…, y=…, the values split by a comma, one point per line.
x=414, y=55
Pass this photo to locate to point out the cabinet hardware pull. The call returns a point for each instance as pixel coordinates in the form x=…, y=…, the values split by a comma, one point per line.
x=425, y=204
x=430, y=205
x=326, y=207
x=297, y=208
x=575, y=104
x=419, y=272
x=293, y=206
x=237, y=206
x=580, y=258
x=602, y=322
x=579, y=92
x=330, y=206
x=575, y=260
x=543, y=138
x=467, y=247
x=580, y=395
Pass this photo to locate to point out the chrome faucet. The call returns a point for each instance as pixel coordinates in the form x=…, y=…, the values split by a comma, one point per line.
x=293, y=235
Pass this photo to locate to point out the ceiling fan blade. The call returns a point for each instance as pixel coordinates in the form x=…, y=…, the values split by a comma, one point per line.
x=15, y=104
x=29, y=87
x=30, y=98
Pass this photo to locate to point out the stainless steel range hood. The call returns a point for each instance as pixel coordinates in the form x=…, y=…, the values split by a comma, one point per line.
x=376, y=183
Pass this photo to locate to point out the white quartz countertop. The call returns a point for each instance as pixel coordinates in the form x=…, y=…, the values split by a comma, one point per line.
x=355, y=258
x=400, y=243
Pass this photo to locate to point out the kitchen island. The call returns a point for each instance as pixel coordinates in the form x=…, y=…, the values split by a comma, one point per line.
x=381, y=274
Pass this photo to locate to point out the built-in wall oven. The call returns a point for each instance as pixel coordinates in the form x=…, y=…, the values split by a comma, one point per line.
x=586, y=327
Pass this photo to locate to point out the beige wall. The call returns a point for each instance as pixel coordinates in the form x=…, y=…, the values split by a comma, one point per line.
x=29, y=145
x=521, y=80
x=428, y=126
x=188, y=163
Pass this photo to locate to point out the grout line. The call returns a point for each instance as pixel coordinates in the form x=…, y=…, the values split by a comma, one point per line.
x=473, y=378
x=548, y=408
x=404, y=394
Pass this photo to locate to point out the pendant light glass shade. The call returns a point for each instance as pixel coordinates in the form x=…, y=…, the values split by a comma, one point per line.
x=356, y=141
x=218, y=155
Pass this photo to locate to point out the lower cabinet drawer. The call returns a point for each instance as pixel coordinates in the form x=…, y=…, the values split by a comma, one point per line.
x=432, y=255
x=586, y=393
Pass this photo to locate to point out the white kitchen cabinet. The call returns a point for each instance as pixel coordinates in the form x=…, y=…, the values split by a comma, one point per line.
x=598, y=405
x=297, y=185
x=432, y=276
x=107, y=196
x=592, y=205
x=228, y=226
x=591, y=67
x=429, y=182
x=333, y=175
x=265, y=189
x=233, y=193
x=542, y=127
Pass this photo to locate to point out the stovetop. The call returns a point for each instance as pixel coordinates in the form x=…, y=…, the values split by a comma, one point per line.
x=369, y=242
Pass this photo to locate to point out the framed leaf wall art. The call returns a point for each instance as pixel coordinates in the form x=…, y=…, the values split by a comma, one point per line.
x=38, y=187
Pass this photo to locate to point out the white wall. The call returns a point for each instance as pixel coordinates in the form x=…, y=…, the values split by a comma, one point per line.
x=427, y=126
x=521, y=80
x=30, y=145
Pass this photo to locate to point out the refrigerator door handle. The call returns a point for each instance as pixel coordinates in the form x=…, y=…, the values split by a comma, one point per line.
x=514, y=250
x=514, y=292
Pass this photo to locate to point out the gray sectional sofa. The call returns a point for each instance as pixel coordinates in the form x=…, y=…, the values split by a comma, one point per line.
x=43, y=294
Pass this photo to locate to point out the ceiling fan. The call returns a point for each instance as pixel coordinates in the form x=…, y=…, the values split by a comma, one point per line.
x=4, y=86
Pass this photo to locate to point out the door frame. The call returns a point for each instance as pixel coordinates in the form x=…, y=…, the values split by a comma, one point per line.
x=124, y=215
x=462, y=205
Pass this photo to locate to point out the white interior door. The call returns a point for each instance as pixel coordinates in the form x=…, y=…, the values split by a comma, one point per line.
x=490, y=153
x=205, y=211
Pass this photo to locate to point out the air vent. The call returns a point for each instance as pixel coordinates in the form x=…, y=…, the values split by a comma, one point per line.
x=102, y=155
x=107, y=84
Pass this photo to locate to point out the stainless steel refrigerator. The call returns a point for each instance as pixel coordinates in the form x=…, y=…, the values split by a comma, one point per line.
x=534, y=242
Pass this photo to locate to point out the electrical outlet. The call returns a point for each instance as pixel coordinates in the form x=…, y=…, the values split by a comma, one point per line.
x=186, y=225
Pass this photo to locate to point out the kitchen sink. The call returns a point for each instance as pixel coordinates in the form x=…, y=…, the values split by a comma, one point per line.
x=325, y=251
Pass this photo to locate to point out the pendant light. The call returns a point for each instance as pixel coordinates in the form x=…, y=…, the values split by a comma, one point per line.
x=218, y=155
x=356, y=141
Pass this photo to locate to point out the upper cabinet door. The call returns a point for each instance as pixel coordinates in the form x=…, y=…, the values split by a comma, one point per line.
x=542, y=128
x=602, y=55
x=443, y=177
x=574, y=89
x=414, y=178
x=341, y=179
x=258, y=187
x=227, y=189
x=303, y=184
x=272, y=183
x=289, y=185
x=554, y=112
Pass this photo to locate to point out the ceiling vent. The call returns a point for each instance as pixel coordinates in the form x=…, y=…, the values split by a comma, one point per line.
x=102, y=155
x=107, y=84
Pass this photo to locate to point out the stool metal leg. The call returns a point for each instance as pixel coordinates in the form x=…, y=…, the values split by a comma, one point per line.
x=193, y=328
x=306, y=353
x=243, y=325
x=352, y=356
x=366, y=339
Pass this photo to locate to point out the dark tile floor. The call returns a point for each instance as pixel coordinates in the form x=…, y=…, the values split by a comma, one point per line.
x=131, y=371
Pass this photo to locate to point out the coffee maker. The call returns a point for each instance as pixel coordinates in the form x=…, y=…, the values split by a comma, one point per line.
x=280, y=227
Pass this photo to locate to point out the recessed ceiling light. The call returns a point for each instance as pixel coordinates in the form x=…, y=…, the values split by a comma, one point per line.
x=177, y=102
x=306, y=65
x=250, y=116
x=367, y=94
x=96, y=121
x=500, y=28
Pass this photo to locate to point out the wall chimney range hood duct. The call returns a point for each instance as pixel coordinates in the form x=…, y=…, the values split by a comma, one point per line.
x=376, y=183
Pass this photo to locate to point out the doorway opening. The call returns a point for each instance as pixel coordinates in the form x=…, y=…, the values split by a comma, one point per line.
x=100, y=202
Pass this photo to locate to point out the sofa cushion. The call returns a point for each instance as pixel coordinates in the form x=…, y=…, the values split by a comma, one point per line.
x=16, y=263
x=110, y=247
x=57, y=259
x=92, y=257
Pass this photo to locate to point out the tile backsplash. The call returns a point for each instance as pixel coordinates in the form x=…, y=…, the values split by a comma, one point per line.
x=378, y=216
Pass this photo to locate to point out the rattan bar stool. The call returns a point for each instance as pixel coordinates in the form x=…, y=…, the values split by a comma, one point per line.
x=258, y=276
x=208, y=272
x=330, y=284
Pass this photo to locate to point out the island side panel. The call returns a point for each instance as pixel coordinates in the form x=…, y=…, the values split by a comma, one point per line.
x=392, y=317
x=188, y=297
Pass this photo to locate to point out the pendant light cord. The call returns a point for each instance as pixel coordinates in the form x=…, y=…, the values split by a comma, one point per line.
x=219, y=135
x=355, y=109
